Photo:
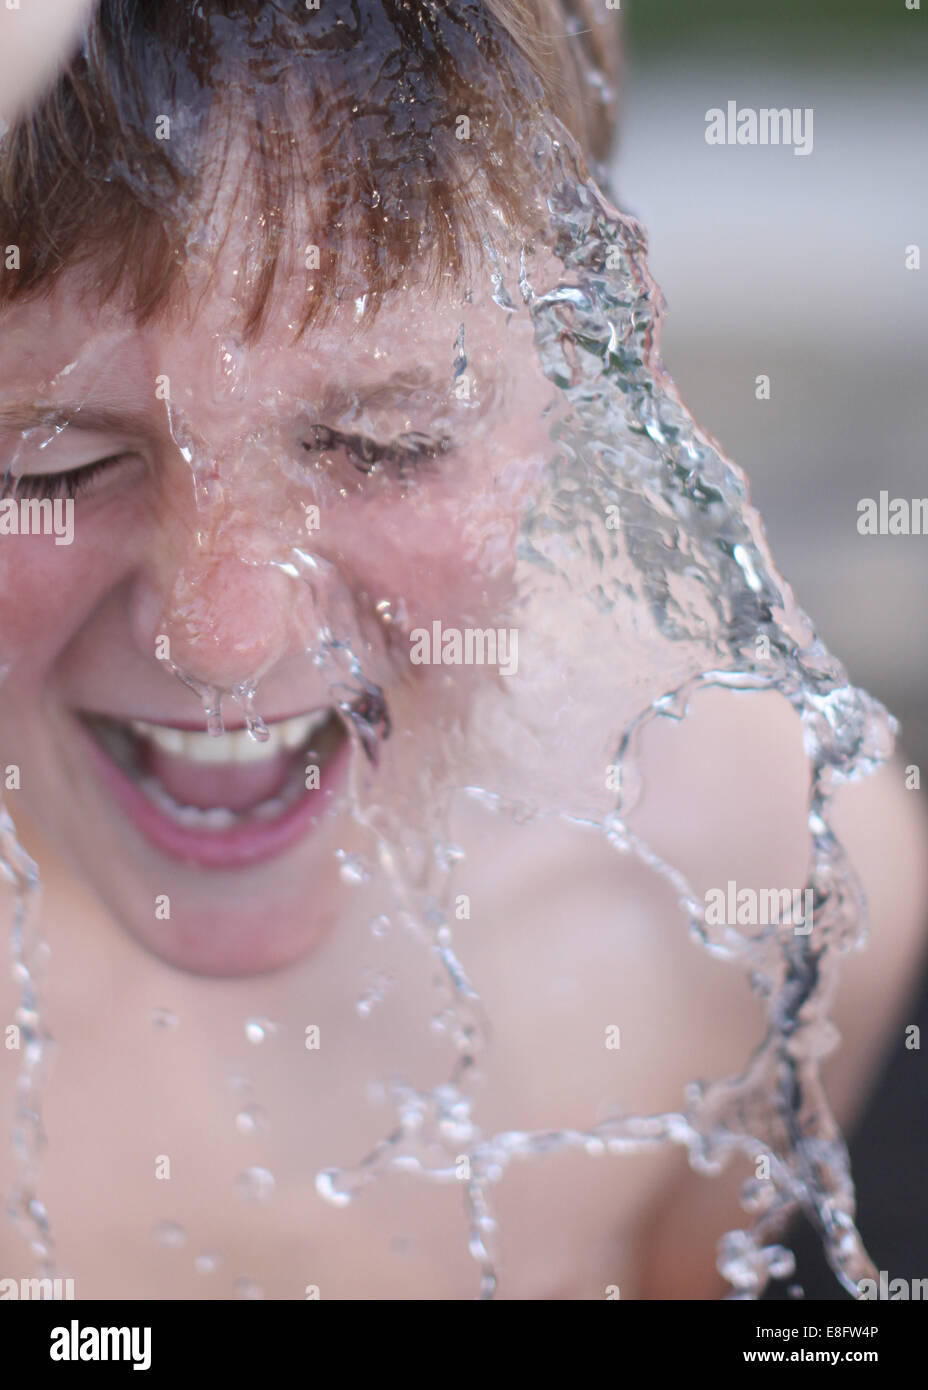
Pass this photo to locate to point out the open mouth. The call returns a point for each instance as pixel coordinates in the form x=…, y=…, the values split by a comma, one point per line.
x=214, y=783
x=224, y=800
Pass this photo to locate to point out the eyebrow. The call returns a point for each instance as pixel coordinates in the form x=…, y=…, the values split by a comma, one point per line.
x=396, y=390
x=400, y=386
x=101, y=419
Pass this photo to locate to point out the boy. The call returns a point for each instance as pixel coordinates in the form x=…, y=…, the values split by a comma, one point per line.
x=269, y=475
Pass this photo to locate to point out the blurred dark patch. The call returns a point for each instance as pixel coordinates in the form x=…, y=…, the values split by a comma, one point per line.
x=889, y=1159
x=792, y=23
x=889, y=1147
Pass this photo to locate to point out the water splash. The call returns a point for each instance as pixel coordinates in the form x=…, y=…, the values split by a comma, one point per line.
x=709, y=590
x=211, y=697
x=29, y=955
x=685, y=582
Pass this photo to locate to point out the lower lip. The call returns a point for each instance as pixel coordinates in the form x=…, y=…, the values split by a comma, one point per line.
x=240, y=846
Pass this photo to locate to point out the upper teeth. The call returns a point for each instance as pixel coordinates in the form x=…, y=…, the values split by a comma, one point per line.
x=235, y=745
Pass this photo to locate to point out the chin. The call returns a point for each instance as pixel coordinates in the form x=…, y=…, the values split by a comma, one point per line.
x=224, y=945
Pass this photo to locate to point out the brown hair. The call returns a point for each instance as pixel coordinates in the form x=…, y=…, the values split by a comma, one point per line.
x=356, y=102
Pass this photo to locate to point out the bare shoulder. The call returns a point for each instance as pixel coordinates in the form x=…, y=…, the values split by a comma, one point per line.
x=726, y=800
x=740, y=806
x=601, y=997
x=740, y=760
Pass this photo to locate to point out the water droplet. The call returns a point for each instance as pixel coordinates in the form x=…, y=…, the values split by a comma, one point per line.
x=250, y=1119
x=379, y=981
x=247, y=1288
x=211, y=700
x=231, y=378
x=209, y=490
x=255, y=1184
x=207, y=1263
x=780, y=1262
x=380, y=925
x=164, y=1018
x=258, y=1030
x=327, y=1187
x=244, y=694
x=37, y=1211
x=169, y=1233
x=210, y=697
x=353, y=868
x=459, y=365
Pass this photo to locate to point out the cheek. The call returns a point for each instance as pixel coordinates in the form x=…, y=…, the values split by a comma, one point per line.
x=444, y=557
x=448, y=549
x=46, y=592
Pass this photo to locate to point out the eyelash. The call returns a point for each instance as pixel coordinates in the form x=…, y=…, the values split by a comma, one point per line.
x=53, y=485
x=409, y=451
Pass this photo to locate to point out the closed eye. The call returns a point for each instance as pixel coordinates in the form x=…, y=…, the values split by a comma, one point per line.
x=408, y=452
x=404, y=454
x=71, y=483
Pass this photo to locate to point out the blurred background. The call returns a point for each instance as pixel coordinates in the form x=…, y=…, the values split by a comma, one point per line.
x=794, y=267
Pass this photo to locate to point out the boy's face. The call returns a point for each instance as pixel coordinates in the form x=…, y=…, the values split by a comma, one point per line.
x=199, y=528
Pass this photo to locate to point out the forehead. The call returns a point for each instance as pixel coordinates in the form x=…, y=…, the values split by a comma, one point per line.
x=291, y=249
x=201, y=349
x=65, y=347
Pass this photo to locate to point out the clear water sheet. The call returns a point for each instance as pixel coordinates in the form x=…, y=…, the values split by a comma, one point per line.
x=555, y=504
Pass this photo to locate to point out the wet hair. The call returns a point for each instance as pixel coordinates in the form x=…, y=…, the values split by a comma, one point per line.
x=380, y=130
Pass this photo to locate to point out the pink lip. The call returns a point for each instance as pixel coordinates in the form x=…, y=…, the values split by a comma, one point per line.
x=244, y=845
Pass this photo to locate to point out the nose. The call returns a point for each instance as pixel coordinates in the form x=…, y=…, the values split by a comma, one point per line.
x=222, y=619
